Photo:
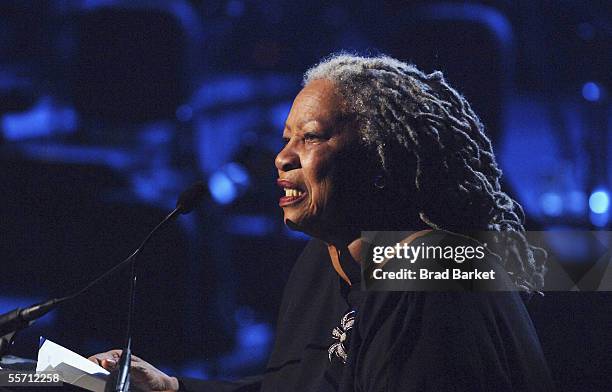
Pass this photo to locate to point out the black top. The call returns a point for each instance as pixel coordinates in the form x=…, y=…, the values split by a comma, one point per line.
x=397, y=341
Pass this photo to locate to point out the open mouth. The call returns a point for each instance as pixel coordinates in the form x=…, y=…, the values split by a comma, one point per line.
x=293, y=194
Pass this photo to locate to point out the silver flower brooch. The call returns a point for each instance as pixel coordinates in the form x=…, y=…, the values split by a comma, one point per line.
x=340, y=335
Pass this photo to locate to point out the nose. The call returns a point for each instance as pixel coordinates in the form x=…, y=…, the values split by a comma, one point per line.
x=287, y=159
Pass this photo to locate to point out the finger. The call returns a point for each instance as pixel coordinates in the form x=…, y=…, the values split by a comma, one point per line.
x=111, y=364
x=108, y=364
x=112, y=355
x=115, y=354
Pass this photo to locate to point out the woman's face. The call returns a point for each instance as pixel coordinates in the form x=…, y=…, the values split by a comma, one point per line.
x=314, y=165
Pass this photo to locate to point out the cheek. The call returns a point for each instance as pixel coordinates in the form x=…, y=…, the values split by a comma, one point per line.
x=321, y=195
x=323, y=192
x=341, y=191
x=326, y=175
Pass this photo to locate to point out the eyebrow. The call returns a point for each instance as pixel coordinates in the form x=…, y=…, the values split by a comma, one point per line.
x=302, y=124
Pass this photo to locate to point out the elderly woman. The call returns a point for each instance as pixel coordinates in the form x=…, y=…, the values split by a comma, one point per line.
x=376, y=144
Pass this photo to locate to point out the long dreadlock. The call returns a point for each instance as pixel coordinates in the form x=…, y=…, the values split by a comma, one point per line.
x=416, y=123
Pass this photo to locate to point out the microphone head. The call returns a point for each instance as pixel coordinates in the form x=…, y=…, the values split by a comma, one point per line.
x=191, y=197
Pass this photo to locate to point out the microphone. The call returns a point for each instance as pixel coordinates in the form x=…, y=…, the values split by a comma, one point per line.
x=191, y=197
x=18, y=319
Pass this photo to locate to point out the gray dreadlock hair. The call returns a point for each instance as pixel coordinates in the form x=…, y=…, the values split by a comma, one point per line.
x=416, y=123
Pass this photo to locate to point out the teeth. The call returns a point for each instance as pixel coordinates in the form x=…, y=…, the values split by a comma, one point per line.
x=293, y=192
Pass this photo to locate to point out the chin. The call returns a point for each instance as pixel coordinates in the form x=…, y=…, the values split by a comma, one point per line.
x=298, y=223
x=294, y=223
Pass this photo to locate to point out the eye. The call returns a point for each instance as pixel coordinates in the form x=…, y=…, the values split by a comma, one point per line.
x=311, y=136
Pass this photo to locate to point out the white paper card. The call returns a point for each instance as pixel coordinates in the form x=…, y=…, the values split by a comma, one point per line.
x=75, y=369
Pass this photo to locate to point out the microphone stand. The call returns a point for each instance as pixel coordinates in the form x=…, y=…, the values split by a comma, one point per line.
x=121, y=382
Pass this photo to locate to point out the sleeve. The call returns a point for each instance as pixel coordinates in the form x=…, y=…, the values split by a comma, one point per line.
x=248, y=384
x=443, y=341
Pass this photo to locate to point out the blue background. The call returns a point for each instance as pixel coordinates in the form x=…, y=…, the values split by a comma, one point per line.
x=109, y=109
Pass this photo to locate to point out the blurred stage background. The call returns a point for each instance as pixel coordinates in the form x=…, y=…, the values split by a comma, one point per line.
x=109, y=109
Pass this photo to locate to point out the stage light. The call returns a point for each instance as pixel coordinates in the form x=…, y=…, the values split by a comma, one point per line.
x=599, y=202
x=591, y=91
x=551, y=203
x=221, y=188
x=46, y=118
x=228, y=182
x=237, y=174
x=600, y=220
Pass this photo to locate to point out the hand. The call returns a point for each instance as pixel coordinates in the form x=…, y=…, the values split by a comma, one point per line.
x=143, y=375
